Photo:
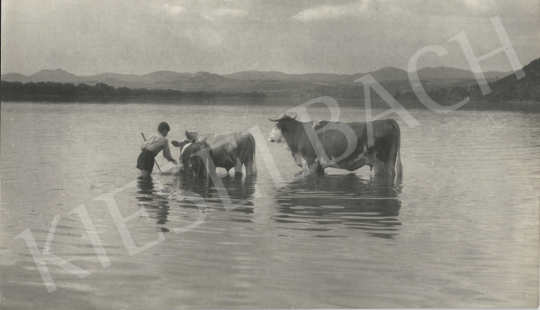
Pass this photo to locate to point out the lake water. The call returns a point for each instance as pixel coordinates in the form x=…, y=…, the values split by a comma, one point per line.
x=460, y=229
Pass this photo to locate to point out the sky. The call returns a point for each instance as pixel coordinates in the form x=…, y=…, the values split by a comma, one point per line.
x=88, y=37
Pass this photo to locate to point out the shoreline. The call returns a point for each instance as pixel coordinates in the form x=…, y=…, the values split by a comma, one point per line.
x=376, y=103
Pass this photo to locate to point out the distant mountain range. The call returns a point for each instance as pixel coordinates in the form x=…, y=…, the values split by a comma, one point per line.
x=507, y=89
x=270, y=82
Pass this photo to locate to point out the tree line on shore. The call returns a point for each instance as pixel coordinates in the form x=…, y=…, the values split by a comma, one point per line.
x=506, y=89
x=69, y=91
x=499, y=93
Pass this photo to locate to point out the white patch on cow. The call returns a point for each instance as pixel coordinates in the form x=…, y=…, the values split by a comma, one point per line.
x=330, y=163
x=185, y=147
x=275, y=135
x=374, y=163
x=238, y=167
x=300, y=161
x=362, y=155
x=305, y=167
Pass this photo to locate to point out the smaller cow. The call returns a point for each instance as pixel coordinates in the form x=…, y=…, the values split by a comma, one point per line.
x=226, y=155
x=193, y=156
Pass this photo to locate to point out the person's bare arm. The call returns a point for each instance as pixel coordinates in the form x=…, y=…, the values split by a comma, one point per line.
x=167, y=151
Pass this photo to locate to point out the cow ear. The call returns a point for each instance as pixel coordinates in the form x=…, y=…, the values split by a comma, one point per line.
x=280, y=117
x=175, y=143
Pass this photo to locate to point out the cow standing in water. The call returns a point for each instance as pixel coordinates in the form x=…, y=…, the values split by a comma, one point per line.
x=222, y=152
x=383, y=155
x=195, y=164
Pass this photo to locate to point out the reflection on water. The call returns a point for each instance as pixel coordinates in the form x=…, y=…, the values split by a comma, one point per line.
x=156, y=195
x=150, y=201
x=315, y=204
x=459, y=231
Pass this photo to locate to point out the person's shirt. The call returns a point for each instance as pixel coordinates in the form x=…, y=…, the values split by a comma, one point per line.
x=156, y=143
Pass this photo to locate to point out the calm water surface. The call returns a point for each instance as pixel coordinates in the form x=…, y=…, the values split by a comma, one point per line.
x=460, y=229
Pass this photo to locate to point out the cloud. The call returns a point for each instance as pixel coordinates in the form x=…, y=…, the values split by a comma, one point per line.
x=340, y=36
x=419, y=8
x=224, y=13
x=330, y=12
x=230, y=12
x=482, y=7
x=173, y=9
x=359, y=9
x=209, y=11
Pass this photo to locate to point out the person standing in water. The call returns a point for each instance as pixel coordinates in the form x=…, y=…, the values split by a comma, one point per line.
x=151, y=147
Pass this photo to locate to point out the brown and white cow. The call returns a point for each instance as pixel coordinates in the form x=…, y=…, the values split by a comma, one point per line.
x=383, y=155
x=193, y=156
x=224, y=153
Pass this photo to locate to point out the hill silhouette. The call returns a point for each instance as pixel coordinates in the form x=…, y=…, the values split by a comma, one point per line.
x=272, y=83
x=441, y=83
x=508, y=88
x=512, y=89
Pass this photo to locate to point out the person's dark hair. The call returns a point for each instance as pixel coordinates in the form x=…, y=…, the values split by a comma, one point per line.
x=163, y=126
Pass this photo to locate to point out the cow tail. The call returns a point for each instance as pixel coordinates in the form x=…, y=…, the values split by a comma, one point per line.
x=398, y=168
x=206, y=164
x=252, y=154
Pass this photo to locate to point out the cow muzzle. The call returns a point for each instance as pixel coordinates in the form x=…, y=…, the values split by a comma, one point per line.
x=275, y=135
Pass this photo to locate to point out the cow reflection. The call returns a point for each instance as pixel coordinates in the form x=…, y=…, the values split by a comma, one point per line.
x=343, y=201
x=238, y=188
x=157, y=197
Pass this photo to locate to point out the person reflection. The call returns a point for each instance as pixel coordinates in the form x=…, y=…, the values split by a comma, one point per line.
x=342, y=201
x=156, y=206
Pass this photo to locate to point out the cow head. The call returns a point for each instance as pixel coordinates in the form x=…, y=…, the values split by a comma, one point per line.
x=183, y=159
x=182, y=144
x=192, y=135
x=198, y=156
x=276, y=135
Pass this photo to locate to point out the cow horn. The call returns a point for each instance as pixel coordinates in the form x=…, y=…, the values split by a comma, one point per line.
x=281, y=117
